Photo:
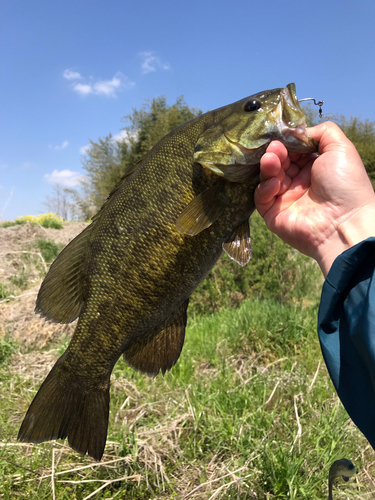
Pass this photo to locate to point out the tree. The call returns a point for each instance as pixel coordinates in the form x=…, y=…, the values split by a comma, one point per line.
x=107, y=160
x=362, y=134
x=59, y=202
x=103, y=163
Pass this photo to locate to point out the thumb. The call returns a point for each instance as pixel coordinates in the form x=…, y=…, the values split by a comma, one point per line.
x=330, y=137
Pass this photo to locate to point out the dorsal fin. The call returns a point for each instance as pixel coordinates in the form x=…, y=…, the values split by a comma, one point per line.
x=203, y=211
x=160, y=350
x=60, y=297
x=238, y=247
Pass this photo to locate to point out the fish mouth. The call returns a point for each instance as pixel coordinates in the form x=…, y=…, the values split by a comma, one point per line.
x=290, y=120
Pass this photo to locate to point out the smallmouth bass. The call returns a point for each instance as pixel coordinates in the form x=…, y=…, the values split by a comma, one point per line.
x=129, y=275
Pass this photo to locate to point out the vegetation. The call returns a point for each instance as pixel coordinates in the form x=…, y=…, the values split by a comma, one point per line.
x=275, y=271
x=44, y=220
x=49, y=249
x=4, y=292
x=107, y=160
x=361, y=133
x=248, y=412
x=31, y=265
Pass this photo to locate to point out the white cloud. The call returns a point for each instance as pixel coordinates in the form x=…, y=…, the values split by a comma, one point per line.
x=125, y=136
x=71, y=75
x=64, y=145
x=152, y=62
x=107, y=87
x=66, y=178
x=83, y=88
x=85, y=149
x=89, y=85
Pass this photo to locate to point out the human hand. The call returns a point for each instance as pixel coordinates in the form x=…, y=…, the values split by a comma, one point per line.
x=320, y=205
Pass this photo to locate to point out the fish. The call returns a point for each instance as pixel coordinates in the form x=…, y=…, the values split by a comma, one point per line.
x=129, y=275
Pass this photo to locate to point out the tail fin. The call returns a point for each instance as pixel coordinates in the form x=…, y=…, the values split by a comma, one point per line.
x=72, y=407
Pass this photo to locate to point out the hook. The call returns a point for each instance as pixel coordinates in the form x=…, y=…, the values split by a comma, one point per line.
x=319, y=103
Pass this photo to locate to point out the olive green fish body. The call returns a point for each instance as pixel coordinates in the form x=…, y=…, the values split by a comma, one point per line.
x=130, y=274
x=140, y=268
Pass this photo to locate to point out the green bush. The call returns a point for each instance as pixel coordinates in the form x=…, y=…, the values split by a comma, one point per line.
x=274, y=271
x=49, y=249
x=7, y=347
x=21, y=279
x=4, y=292
x=45, y=220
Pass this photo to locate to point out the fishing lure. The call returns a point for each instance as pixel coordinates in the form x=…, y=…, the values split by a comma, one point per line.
x=319, y=103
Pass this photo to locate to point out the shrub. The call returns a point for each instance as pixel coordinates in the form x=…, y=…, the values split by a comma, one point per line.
x=49, y=249
x=4, y=292
x=45, y=220
x=274, y=271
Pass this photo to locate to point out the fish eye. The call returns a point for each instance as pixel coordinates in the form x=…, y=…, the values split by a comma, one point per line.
x=252, y=106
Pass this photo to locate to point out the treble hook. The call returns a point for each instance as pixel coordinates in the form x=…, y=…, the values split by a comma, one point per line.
x=319, y=103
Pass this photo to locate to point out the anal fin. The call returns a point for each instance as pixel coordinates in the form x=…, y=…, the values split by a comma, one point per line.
x=160, y=350
x=238, y=247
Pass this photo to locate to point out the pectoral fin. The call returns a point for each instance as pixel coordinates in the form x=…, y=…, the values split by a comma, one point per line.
x=160, y=350
x=203, y=211
x=238, y=247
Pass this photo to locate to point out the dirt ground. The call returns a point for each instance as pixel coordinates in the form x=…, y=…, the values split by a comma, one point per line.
x=17, y=317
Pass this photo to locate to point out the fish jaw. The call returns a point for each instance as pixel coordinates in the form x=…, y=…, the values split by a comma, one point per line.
x=290, y=121
x=240, y=139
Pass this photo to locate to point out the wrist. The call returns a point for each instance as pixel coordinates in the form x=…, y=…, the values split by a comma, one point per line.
x=348, y=232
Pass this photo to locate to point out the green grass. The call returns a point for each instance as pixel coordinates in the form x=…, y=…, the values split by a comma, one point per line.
x=4, y=291
x=7, y=347
x=230, y=404
x=275, y=271
x=21, y=280
x=49, y=249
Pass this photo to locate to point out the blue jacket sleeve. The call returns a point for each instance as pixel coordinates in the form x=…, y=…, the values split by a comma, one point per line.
x=346, y=328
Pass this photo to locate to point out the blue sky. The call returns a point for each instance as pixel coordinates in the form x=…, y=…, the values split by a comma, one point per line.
x=70, y=70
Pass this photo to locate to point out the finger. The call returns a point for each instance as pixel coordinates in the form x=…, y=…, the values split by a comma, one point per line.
x=279, y=150
x=292, y=171
x=270, y=166
x=286, y=164
x=330, y=137
x=302, y=159
x=306, y=158
x=265, y=194
x=284, y=186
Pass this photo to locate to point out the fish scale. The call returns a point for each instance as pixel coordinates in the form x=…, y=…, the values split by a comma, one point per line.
x=129, y=275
